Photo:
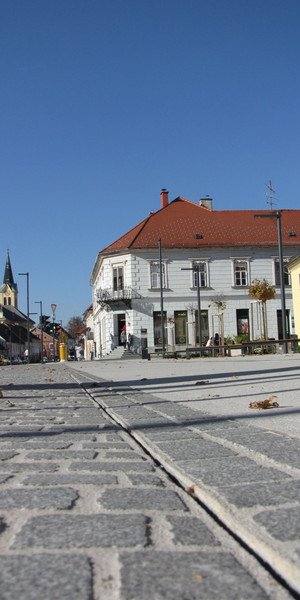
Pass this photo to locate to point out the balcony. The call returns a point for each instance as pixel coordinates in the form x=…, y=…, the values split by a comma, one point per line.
x=108, y=298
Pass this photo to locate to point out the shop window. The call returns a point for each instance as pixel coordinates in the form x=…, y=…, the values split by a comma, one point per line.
x=180, y=318
x=157, y=327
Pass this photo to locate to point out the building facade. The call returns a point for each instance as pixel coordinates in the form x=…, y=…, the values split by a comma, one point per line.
x=205, y=259
x=294, y=267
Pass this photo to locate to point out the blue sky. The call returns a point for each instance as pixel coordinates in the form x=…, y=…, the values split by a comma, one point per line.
x=105, y=102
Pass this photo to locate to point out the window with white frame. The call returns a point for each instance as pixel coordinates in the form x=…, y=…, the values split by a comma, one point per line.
x=286, y=273
x=118, y=278
x=201, y=268
x=240, y=272
x=155, y=274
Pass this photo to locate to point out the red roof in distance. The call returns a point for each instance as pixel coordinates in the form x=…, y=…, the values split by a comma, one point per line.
x=180, y=220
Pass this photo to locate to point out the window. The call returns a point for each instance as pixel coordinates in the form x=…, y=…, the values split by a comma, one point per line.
x=286, y=275
x=240, y=272
x=155, y=275
x=201, y=267
x=118, y=279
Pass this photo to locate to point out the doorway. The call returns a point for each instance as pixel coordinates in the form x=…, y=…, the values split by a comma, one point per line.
x=279, y=324
x=120, y=324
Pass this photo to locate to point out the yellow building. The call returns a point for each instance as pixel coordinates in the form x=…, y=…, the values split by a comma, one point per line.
x=294, y=267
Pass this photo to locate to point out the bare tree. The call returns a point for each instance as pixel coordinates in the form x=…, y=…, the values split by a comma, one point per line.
x=262, y=290
x=74, y=324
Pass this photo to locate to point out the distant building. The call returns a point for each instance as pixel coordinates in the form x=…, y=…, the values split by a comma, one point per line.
x=226, y=249
x=294, y=267
x=13, y=323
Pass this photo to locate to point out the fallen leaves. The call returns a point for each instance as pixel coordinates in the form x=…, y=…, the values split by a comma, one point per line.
x=191, y=490
x=198, y=576
x=264, y=404
x=10, y=403
x=1, y=393
x=202, y=382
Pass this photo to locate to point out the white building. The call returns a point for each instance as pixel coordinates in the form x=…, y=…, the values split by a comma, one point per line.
x=229, y=249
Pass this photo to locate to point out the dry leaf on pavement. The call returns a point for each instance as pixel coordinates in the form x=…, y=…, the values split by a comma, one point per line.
x=268, y=403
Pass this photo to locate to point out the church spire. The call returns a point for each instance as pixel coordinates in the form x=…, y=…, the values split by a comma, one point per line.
x=8, y=289
x=8, y=274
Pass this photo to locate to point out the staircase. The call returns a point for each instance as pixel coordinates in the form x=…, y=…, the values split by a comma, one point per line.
x=121, y=353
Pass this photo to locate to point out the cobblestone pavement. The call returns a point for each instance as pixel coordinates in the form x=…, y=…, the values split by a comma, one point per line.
x=86, y=513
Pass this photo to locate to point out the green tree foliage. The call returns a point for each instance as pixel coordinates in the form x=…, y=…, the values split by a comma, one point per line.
x=262, y=290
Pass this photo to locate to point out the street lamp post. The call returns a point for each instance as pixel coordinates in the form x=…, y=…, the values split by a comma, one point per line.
x=28, y=332
x=161, y=298
x=277, y=215
x=41, y=317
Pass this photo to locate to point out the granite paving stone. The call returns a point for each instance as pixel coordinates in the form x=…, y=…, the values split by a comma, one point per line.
x=79, y=531
x=190, y=531
x=50, y=497
x=202, y=575
x=144, y=479
x=283, y=524
x=194, y=449
x=265, y=494
x=229, y=470
x=139, y=466
x=141, y=499
x=28, y=466
x=47, y=576
x=72, y=479
x=62, y=455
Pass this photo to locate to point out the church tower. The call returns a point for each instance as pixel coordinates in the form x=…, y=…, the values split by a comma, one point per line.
x=8, y=289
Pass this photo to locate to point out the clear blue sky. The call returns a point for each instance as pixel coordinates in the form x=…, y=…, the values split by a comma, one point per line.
x=105, y=102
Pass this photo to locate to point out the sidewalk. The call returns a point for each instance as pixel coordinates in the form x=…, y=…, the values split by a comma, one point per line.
x=86, y=514
x=194, y=417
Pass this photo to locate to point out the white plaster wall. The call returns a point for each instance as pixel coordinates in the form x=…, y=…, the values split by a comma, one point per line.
x=180, y=294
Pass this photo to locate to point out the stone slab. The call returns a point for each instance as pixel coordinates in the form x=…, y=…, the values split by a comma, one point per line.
x=47, y=576
x=186, y=576
x=141, y=499
x=83, y=531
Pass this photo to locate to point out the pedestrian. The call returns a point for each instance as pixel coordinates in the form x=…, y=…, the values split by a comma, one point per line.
x=123, y=338
x=130, y=341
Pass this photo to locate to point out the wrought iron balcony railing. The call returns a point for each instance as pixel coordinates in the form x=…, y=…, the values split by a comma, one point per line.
x=109, y=296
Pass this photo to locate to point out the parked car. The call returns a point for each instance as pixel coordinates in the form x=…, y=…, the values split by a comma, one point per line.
x=18, y=360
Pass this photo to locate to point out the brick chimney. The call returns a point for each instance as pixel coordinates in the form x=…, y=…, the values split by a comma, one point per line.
x=207, y=202
x=164, y=197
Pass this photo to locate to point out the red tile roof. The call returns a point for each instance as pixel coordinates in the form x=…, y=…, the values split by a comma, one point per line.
x=177, y=223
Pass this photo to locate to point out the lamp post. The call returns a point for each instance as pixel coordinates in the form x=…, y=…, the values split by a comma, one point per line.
x=41, y=317
x=28, y=332
x=161, y=298
x=277, y=215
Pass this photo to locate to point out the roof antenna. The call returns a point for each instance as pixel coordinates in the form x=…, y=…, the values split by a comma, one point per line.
x=270, y=194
